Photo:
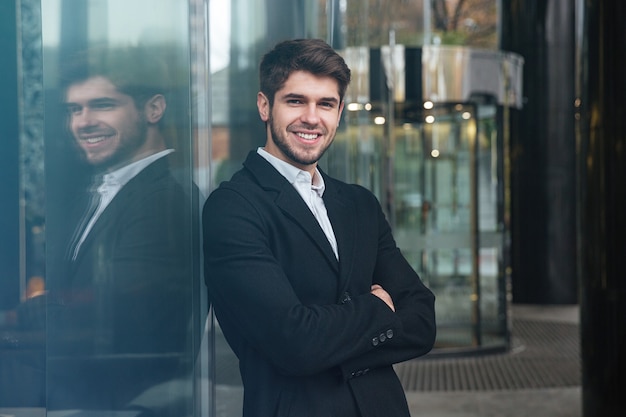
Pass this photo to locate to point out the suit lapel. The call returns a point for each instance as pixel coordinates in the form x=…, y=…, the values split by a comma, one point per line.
x=150, y=174
x=341, y=212
x=290, y=202
x=292, y=205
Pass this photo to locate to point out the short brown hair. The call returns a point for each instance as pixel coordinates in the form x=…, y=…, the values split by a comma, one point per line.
x=135, y=71
x=310, y=55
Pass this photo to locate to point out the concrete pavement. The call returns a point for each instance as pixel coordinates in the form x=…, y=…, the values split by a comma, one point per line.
x=553, y=401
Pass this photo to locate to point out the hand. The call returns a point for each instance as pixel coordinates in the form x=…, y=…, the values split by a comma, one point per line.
x=379, y=292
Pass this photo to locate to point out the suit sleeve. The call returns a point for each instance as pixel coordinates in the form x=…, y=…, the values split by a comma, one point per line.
x=257, y=306
x=414, y=304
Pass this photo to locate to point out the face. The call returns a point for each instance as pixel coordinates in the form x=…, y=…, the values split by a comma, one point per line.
x=303, y=119
x=105, y=123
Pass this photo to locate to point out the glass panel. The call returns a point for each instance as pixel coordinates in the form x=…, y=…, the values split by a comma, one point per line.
x=22, y=314
x=124, y=299
x=457, y=22
x=433, y=212
x=448, y=224
x=491, y=229
x=371, y=22
x=421, y=22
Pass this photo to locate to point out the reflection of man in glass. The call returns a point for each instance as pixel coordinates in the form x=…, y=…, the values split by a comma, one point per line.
x=120, y=303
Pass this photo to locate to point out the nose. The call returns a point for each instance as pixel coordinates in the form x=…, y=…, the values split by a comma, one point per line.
x=310, y=114
x=82, y=119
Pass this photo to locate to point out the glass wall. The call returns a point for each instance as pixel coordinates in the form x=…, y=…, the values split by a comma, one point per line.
x=111, y=311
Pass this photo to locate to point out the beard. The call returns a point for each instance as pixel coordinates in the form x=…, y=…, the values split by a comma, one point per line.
x=301, y=158
x=125, y=151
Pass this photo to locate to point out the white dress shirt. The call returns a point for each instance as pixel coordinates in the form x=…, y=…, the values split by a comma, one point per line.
x=112, y=183
x=310, y=189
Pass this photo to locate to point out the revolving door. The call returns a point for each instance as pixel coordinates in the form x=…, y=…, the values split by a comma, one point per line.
x=435, y=152
x=448, y=218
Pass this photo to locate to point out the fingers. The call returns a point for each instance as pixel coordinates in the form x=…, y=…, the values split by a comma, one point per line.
x=380, y=292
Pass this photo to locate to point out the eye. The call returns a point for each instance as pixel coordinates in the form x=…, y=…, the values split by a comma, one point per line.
x=71, y=109
x=104, y=105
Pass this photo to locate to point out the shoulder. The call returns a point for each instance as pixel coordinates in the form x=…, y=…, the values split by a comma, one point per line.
x=257, y=180
x=240, y=194
x=241, y=183
x=157, y=189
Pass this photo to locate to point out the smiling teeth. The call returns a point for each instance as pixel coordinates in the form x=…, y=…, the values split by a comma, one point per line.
x=95, y=140
x=308, y=136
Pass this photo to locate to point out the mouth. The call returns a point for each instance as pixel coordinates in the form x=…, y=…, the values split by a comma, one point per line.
x=93, y=140
x=307, y=136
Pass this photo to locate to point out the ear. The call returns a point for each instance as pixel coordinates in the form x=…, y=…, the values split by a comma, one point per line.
x=155, y=108
x=263, y=104
x=341, y=106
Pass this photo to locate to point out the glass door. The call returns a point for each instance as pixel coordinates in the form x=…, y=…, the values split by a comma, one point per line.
x=438, y=171
x=447, y=212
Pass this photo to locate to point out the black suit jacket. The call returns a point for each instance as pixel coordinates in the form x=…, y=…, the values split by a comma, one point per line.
x=120, y=314
x=310, y=338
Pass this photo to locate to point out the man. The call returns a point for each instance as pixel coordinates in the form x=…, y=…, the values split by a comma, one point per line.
x=306, y=280
x=121, y=297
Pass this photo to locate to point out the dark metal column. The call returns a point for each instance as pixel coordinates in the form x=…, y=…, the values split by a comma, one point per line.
x=602, y=204
x=543, y=152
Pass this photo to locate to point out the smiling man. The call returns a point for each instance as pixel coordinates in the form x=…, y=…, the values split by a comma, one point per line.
x=308, y=285
x=121, y=280
x=108, y=125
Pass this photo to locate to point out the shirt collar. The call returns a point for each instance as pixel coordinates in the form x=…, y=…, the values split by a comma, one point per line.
x=292, y=173
x=121, y=176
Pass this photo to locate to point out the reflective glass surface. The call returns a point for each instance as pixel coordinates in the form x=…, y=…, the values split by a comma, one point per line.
x=438, y=171
x=111, y=311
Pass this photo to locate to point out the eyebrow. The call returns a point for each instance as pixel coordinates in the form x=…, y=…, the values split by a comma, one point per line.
x=302, y=96
x=92, y=102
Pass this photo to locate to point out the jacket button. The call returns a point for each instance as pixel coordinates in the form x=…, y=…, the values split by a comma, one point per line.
x=375, y=341
x=382, y=337
x=389, y=334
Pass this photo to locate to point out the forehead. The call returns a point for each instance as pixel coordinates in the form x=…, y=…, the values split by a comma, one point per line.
x=94, y=87
x=308, y=84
